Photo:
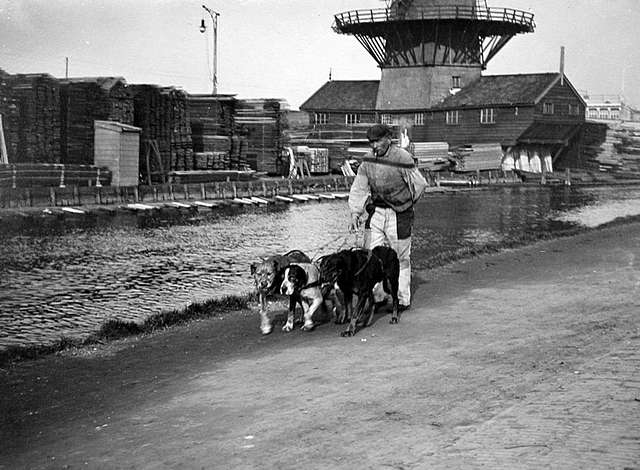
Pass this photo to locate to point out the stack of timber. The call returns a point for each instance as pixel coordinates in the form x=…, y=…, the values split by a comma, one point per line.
x=612, y=148
x=27, y=175
x=259, y=123
x=339, y=150
x=161, y=113
x=431, y=155
x=33, y=131
x=212, y=125
x=85, y=100
x=477, y=157
x=10, y=117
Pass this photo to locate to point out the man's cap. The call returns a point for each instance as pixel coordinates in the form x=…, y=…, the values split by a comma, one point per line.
x=378, y=131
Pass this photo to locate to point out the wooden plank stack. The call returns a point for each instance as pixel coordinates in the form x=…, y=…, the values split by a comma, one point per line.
x=476, y=157
x=162, y=114
x=212, y=127
x=10, y=115
x=260, y=122
x=25, y=175
x=34, y=128
x=431, y=155
x=612, y=147
x=85, y=100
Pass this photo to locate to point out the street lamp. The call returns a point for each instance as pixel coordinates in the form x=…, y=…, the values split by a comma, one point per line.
x=203, y=27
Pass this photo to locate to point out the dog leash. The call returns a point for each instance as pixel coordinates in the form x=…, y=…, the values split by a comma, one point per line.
x=321, y=247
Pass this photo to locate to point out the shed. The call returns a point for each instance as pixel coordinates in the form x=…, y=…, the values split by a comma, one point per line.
x=117, y=147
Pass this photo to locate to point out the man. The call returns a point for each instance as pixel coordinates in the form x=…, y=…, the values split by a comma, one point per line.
x=387, y=186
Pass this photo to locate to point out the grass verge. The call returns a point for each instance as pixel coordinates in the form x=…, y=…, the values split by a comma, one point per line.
x=113, y=329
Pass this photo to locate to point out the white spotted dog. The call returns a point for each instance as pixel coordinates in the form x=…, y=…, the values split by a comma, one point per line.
x=302, y=280
x=268, y=276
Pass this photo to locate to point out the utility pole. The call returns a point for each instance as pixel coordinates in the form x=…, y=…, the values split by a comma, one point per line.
x=66, y=67
x=203, y=27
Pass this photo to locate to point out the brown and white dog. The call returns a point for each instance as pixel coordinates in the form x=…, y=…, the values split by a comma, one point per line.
x=268, y=277
x=303, y=281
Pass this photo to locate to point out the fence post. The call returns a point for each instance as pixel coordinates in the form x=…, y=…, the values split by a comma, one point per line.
x=567, y=178
x=203, y=191
x=52, y=195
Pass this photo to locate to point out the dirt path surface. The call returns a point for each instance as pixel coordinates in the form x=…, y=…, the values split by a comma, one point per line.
x=525, y=359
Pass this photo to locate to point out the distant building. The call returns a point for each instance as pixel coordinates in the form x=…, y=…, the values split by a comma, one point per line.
x=609, y=108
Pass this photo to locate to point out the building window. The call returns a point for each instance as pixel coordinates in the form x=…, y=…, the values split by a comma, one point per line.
x=320, y=118
x=386, y=119
x=604, y=113
x=547, y=108
x=574, y=109
x=615, y=113
x=487, y=116
x=452, y=118
x=593, y=113
x=418, y=119
x=352, y=119
x=455, y=82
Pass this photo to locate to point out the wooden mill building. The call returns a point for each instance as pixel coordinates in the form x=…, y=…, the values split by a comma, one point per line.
x=432, y=54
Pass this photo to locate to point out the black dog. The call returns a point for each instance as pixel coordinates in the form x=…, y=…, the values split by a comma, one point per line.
x=357, y=271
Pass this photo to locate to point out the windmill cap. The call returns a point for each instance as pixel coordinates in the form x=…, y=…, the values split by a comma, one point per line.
x=378, y=131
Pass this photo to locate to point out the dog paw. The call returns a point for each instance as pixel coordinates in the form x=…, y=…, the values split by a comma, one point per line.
x=287, y=328
x=308, y=327
x=347, y=334
x=265, y=330
x=394, y=320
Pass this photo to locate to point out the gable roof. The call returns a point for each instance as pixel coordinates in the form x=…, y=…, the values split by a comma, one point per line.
x=495, y=90
x=340, y=95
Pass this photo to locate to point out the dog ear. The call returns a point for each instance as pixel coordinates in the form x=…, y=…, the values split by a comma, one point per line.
x=280, y=263
x=304, y=277
x=254, y=267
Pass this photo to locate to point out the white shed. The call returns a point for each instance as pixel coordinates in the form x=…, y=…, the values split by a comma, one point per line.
x=117, y=147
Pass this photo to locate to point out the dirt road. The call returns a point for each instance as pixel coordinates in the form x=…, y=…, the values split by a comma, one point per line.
x=525, y=359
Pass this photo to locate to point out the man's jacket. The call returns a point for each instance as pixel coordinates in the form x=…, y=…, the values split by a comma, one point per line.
x=392, y=180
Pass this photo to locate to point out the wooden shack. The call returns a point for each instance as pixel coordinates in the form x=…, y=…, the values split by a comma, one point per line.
x=117, y=147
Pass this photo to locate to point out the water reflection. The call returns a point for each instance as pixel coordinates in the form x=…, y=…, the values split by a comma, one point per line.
x=56, y=280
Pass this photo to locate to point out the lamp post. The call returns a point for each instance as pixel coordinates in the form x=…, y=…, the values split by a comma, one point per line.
x=203, y=27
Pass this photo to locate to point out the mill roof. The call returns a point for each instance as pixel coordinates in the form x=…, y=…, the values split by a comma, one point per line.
x=496, y=90
x=338, y=95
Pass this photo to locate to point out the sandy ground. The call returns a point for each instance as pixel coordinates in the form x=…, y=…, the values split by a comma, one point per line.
x=525, y=359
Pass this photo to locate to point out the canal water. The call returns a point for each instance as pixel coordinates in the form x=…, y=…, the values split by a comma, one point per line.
x=66, y=279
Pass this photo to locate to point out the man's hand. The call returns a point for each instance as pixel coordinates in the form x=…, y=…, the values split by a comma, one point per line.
x=354, y=226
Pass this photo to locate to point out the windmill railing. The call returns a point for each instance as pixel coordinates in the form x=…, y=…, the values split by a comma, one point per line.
x=379, y=15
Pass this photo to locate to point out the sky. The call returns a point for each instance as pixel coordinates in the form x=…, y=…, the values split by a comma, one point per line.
x=285, y=48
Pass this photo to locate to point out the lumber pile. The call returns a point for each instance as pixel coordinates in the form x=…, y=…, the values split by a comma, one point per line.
x=260, y=123
x=161, y=113
x=431, y=155
x=10, y=115
x=612, y=147
x=33, y=129
x=212, y=127
x=85, y=100
x=337, y=150
x=477, y=157
x=25, y=175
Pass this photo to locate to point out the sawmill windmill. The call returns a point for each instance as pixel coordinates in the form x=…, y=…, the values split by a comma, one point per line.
x=427, y=49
